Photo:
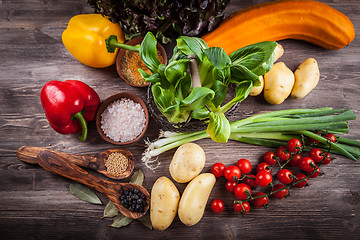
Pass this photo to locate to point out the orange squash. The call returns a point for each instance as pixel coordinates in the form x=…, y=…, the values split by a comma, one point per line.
x=306, y=20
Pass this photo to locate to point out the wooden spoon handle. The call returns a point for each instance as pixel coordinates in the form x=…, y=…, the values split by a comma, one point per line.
x=59, y=165
x=28, y=154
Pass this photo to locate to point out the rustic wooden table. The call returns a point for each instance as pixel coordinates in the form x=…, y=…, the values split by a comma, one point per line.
x=36, y=204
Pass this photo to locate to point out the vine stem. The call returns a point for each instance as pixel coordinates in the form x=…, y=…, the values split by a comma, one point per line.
x=287, y=187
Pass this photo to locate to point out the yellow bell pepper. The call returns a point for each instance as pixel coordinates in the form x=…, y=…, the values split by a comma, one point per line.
x=85, y=38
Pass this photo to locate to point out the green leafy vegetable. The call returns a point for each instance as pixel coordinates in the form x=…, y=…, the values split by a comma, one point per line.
x=178, y=100
x=84, y=193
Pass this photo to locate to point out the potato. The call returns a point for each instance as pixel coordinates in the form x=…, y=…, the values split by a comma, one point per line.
x=278, y=83
x=194, y=198
x=187, y=162
x=307, y=76
x=164, y=203
x=257, y=90
x=279, y=51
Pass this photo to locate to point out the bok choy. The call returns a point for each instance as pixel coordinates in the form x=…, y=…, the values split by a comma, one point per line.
x=176, y=97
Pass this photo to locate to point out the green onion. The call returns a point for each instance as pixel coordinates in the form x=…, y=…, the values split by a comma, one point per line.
x=274, y=129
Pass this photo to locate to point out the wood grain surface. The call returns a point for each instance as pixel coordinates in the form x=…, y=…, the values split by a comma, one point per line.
x=37, y=204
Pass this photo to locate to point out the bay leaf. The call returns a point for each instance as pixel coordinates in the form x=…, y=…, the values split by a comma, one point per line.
x=137, y=178
x=83, y=193
x=145, y=220
x=110, y=210
x=121, y=221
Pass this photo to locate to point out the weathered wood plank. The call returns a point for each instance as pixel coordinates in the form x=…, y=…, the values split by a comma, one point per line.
x=36, y=204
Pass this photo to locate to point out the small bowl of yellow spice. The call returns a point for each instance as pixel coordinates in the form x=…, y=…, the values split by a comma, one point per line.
x=128, y=62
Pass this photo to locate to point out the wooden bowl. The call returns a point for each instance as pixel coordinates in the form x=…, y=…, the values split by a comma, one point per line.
x=113, y=98
x=133, y=42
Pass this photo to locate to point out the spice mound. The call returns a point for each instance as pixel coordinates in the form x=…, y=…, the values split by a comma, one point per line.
x=116, y=163
x=133, y=200
x=130, y=63
x=123, y=120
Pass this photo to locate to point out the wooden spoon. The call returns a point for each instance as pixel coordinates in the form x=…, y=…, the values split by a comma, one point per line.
x=59, y=165
x=96, y=161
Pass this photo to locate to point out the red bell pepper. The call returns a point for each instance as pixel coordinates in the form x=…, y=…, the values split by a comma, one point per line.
x=69, y=106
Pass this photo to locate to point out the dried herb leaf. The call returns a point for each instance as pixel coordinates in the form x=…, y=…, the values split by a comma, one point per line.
x=121, y=221
x=84, y=193
x=110, y=210
x=145, y=220
x=137, y=178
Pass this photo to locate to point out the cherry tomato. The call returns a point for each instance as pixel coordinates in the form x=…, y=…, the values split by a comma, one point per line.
x=244, y=165
x=243, y=209
x=316, y=154
x=270, y=158
x=260, y=202
x=242, y=191
x=263, y=167
x=230, y=185
x=232, y=173
x=218, y=169
x=263, y=178
x=282, y=153
x=281, y=193
x=285, y=176
x=316, y=174
x=306, y=164
x=330, y=137
x=328, y=158
x=298, y=177
x=250, y=181
x=217, y=206
x=293, y=145
x=295, y=160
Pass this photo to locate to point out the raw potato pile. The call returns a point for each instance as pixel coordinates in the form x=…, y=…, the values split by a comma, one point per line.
x=280, y=82
x=186, y=165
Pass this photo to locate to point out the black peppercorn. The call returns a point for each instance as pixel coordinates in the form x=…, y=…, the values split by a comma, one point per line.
x=133, y=200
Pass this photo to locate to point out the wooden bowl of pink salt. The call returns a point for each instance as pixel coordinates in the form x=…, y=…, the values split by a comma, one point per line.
x=122, y=118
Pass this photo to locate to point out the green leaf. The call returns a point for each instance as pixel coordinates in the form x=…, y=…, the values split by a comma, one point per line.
x=239, y=73
x=146, y=221
x=206, y=72
x=218, y=57
x=148, y=52
x=84, y=193
x=162, y=97
x=242, y=92
x=183, y=86
x=176, y=70
x=220, y=90
x=222, y=75
x=121, y=221
x=258, y=57
x=153, y=78
x=137, y=178
x=175, y=115
x=219, y=127
x=198, y=97
x=192, y=45
x=110, y=210
x=177, y=55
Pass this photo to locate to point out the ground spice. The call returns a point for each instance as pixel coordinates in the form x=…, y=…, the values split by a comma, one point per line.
x=116, y=163
x=130, y=63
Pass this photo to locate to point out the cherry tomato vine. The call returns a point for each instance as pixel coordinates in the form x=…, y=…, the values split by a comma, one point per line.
x=242, y=183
